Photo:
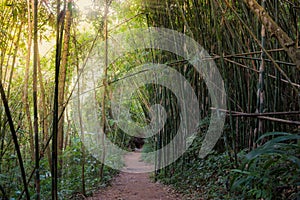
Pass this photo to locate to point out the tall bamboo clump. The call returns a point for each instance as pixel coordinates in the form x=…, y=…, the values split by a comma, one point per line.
x=261, y=79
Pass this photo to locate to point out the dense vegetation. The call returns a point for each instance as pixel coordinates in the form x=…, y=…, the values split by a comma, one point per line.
x=256, y=157
x=45, y=45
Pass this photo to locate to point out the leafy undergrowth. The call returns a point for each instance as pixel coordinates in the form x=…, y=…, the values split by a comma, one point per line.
x=201, y=179
x=272, y=171
x=269, y=172
x=70, y=183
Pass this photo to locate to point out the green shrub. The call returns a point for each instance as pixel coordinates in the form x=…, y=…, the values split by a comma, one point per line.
x=271, y=171
x=200, y=178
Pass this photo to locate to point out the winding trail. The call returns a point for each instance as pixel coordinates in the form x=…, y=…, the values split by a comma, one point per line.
x=132, y=185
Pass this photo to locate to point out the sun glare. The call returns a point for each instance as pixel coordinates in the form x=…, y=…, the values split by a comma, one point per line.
x=84, y=5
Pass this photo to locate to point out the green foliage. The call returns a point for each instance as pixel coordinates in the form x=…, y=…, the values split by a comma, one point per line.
x=271, y=171
x=200, y=178
x=71, y=182
x=71, y=172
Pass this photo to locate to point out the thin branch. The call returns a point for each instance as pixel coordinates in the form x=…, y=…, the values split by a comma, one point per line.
x=285, y=41
x=3, y=192
x=242, y=114
x=259, y=44
x=267, y=60
x=15, y=139
x=124, y=22
x=263, y=115
x=280, y=120
x=269, y=75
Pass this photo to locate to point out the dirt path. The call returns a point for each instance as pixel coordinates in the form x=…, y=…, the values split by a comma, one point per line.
x=132, y=185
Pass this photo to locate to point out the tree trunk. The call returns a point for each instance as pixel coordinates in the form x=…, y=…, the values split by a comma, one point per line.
x=285, y=41
x=103, y=118
x=44, y=113
x=15, y=139
x=35, y=106
x=59, y=33
x=62, y=79
x=80, y=120
x=15, y=54
x=25, y=89
x=261, y=86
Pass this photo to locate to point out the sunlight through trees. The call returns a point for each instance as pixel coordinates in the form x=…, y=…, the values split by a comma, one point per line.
x=52, y=52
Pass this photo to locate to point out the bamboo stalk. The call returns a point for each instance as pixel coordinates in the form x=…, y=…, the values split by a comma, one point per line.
x=35, y=103
x=236, y=113
x=15, y=139
x=263, y=49
x=271, y=76
x=262, y=115
x=285, y=41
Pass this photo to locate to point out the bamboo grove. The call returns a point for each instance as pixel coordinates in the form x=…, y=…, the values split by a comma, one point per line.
x=261, y=76
x=254, y=43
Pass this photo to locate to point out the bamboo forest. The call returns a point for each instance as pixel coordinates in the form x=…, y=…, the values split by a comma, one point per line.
x=150, y=99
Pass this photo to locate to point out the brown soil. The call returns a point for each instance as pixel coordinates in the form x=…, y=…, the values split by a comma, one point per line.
x=133, y=185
